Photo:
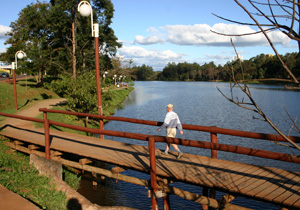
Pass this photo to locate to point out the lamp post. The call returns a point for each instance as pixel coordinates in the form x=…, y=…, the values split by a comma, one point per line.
x=85, y=9
x=115, y=78
x=124, y=80
x=104, y=76
x=120, y=80
x=14, y=65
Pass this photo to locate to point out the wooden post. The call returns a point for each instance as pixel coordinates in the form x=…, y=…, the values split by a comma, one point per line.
x=166, y=200
x=47, y=136
x=214, y=155
x=151, y=145
x=213, y=139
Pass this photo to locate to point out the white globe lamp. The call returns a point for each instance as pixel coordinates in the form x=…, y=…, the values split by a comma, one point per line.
x=85, y=10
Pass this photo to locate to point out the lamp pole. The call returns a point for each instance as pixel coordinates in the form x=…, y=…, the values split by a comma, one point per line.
x=104, y=76
x=120, y=81
x=14, y=65
x=85, y=9
x=115, y=78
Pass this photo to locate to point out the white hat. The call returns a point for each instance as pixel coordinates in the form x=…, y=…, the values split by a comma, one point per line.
x=170, y=106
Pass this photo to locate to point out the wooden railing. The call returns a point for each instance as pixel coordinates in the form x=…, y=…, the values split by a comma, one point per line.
x=213, y=145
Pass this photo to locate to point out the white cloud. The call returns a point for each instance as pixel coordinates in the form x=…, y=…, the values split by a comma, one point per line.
x=152, y=30
x=201, y=35
x=3, y=31
x=158, y=59
x=196, y=35
x=217, y=58
x=148, y=40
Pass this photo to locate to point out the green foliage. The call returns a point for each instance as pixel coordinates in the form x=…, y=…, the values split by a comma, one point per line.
x=259, y=67
x=81, y=94
x=54, y=36
x=18, y=176
x=144, y=72
x=71, y=178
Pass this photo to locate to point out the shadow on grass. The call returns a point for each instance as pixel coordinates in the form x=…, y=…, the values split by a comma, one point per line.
x=28, y=101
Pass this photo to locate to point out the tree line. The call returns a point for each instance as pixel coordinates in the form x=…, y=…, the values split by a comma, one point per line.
x=263, y=66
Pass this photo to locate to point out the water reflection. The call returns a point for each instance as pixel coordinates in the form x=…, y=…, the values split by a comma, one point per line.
x=199, y=103
x=141, y=95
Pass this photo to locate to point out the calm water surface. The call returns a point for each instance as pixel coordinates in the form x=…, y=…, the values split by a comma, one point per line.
x=198, y=103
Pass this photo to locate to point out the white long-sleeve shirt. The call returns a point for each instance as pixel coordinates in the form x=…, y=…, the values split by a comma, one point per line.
x=172, y=121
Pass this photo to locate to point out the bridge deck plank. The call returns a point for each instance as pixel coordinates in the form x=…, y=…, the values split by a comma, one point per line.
x=263, y=183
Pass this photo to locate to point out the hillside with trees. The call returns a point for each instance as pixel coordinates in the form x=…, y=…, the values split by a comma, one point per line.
x=260, y=67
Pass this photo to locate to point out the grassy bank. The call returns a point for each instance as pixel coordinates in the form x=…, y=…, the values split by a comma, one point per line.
x=17, y=175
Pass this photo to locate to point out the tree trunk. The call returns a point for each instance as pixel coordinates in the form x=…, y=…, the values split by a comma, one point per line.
x=74, y=49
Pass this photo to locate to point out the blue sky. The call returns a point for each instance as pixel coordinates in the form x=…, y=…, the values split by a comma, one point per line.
x=157, y=32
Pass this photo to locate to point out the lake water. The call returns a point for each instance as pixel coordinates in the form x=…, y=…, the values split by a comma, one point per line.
x=197, y=103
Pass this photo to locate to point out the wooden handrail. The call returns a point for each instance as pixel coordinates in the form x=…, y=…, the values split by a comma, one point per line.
x=214, y=146
x=210, y=129
x=185, y=142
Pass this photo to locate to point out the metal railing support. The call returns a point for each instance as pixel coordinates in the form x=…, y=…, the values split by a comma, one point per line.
x=151, y=145
x=47, y=136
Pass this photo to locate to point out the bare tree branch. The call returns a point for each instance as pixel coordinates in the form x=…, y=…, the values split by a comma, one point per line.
x=241, y=23
x=252, y=103
x=270, y=42
x=257, y=32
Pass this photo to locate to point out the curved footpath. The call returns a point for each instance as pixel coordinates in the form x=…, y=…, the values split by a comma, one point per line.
x=13, y=201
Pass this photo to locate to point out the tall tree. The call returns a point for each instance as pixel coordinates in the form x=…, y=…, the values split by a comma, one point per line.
x=31, y=33
x=57, y=39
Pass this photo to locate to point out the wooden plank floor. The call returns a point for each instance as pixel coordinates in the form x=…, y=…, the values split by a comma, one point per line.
x=264, y=183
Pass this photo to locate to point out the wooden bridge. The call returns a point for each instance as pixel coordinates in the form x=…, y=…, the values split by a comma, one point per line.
x=276, y=186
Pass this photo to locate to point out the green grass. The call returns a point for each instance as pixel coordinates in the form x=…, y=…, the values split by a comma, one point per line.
x=19, y=176
x=118, y=96
x=63, y=118
x=27, y=93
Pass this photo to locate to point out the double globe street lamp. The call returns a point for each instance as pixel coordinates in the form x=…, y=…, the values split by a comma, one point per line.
x=14, y=65
x=85, y=9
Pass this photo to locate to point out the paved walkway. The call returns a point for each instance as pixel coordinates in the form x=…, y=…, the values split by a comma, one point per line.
x=13, y=201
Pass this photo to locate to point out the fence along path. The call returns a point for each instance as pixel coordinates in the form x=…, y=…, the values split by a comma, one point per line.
x=263, y=183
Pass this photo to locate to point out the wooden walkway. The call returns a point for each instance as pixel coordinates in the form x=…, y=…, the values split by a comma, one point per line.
x=263, y=183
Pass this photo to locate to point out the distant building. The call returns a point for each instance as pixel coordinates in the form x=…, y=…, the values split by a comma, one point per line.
x=236, y=57
x=4, y=66
x=3, y=63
